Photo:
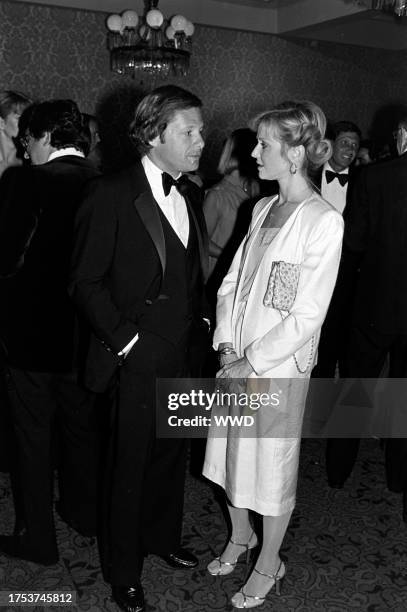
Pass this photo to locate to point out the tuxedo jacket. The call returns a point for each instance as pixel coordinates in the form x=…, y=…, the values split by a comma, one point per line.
x=38, y=204
x=376, y=235
x=118, y=256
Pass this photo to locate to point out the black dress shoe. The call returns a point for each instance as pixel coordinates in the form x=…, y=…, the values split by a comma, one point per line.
x=129, y=598
x=181, y=559
x=18, y=547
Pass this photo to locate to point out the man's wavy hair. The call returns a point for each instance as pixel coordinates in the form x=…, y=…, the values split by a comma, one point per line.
x=156, y=110
x=62, y=119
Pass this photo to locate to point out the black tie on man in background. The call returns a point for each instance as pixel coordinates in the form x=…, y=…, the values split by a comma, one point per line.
x=331, y=176
x=139, y=264
x=41, y=332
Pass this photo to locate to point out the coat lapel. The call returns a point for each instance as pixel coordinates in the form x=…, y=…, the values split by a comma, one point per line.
x=146, y=207
x=250, y=239
x=147, y=210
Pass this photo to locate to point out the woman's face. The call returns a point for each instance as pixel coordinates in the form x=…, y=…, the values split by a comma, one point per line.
x=272, y=164
x=9, y=124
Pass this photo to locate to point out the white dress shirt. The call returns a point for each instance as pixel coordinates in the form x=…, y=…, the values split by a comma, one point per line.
x=173, y=207
x=333, y=192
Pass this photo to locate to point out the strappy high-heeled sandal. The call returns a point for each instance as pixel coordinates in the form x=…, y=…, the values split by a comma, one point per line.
x=242, y=600
x=217, y=567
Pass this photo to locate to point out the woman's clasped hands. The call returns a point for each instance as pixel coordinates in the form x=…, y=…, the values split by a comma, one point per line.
x=234, y=368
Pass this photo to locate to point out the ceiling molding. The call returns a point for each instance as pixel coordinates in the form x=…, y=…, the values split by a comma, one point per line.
x=339, y=21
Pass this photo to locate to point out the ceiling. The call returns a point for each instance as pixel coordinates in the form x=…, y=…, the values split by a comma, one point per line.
x=339, y=21
x=369, y=29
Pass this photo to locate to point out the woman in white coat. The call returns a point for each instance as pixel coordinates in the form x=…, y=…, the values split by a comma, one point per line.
x=270, y=309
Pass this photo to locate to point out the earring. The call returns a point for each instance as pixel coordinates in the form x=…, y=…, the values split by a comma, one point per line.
x=293, y=168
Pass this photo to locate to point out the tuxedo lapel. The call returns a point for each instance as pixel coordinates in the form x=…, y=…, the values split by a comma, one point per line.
x=147, y=209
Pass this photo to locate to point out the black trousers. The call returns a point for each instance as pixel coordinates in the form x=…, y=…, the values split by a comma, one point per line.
x=368, y=349
x=144, y=490
x=335, y=332
x=43, y=403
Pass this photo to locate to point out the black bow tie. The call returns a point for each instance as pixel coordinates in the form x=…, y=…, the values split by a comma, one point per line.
x=180, y=184
x=330, y=176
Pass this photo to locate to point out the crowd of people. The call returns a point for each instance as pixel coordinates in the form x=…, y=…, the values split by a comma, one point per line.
x=110, y=281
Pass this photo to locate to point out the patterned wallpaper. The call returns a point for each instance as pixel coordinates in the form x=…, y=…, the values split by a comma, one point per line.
x=58, y=52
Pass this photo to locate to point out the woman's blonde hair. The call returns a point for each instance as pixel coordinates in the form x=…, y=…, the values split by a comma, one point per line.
x=12, y=101
x=295, y=123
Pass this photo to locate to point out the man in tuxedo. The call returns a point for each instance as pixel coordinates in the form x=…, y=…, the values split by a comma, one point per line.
x=41, y=335
x=336, y=182
x=376, y=237
x=138, y=270
x=335, y=177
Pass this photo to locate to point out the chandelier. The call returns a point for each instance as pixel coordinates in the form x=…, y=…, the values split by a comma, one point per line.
x=149, y=43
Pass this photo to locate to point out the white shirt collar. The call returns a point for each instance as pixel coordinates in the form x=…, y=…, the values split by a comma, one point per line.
x=327, y=166
x=66, y=151
x=173, y=205
x=334, y=192
x=154, y=177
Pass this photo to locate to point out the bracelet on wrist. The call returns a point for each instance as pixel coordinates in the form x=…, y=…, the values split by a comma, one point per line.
x=227, y=350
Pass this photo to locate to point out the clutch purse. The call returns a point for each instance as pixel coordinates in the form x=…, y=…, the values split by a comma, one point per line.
x=281, y=293
x=282, y=285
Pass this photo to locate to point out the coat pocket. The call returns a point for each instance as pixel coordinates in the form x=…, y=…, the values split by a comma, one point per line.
x=282, y=285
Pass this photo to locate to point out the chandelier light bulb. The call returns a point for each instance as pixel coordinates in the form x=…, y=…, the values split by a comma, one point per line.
x=114, y=23
x=189, y=28
x=154, y=18
x=179, y=23
x=129, y=19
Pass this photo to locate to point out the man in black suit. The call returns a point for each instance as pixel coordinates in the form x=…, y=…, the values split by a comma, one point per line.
x=334, y=178
x=138, y=269
x=376, y=237
x=336, y=181
x=40, y=332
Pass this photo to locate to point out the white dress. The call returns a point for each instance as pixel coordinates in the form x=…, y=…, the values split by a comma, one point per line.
x=259, y=472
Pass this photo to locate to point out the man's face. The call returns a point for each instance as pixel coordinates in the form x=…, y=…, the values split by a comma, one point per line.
x=180, y=147
x=345, y=148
